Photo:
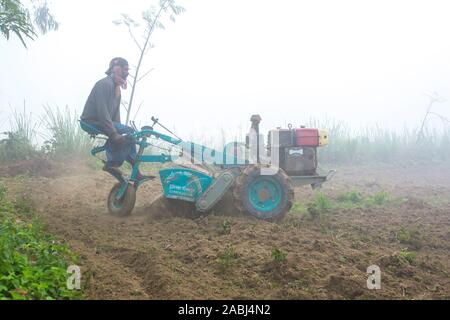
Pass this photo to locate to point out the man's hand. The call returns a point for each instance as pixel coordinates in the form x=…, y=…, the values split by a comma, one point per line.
x=118, y=138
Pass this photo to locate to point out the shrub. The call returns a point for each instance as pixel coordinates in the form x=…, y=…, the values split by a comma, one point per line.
x=33, y=264
x=18, y=144
x=279, y=256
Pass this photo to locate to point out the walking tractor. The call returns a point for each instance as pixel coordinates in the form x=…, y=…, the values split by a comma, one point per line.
x=260, y=185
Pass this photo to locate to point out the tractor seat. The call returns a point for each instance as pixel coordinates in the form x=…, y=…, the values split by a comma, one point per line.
x=93, y=131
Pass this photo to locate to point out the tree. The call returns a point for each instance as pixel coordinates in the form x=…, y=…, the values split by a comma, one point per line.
x=24, y=21
x=152, y=20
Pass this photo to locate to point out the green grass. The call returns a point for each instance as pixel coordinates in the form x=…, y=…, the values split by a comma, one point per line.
x=356, y=199
x=351, y=199
x=33, y=264
x=410, y=237
x=321, y=204
x=60, y=128
x=64, y=137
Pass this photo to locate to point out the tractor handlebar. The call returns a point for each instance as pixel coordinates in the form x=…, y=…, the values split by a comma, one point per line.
x=147, y=132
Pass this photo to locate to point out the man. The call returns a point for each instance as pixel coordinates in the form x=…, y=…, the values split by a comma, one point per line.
x=102, y=111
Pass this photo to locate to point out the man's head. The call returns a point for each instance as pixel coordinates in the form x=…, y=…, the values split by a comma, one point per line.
x=118, y=66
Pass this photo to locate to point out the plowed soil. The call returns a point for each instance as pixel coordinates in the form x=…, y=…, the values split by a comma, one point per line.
x=153, y=254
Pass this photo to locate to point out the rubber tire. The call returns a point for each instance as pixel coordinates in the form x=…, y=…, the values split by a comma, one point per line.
x=241, y=196
x=127, y=202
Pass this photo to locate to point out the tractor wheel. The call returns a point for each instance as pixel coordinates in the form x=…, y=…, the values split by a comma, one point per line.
x=125, y=205
x=266, y=197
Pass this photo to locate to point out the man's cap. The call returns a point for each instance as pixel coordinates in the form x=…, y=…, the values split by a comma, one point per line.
x=116, y=62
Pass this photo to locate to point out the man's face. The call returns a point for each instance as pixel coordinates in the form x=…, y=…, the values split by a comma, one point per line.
x=125, y=72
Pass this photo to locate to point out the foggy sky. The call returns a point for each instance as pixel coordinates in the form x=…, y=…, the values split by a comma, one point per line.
x=222, y=61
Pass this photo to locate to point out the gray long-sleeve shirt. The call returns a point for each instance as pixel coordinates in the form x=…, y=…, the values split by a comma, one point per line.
x=102, y=106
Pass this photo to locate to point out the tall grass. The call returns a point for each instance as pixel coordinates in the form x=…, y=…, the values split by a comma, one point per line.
x=23, y=125
x=378, y=144
x=347, y=145
x=64, y=135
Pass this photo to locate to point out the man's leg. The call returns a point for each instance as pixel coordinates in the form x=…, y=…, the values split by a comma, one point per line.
x=128, y=149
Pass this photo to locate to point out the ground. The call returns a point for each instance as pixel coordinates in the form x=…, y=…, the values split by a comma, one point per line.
x=155, y=255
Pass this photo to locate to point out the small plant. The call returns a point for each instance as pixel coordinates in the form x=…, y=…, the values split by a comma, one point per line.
x=298, y=208
x=379, y=199
x=226, y=259
x=319, y=206
x=225, y=227
x=18, y=144
x=352, y=197
x=410, y=237
x=408, y=256
x=279, y=256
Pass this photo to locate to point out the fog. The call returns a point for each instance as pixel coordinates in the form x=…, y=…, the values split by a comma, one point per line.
x=364, y=62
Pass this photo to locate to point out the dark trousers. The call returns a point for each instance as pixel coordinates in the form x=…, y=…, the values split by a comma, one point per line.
x=116, y=153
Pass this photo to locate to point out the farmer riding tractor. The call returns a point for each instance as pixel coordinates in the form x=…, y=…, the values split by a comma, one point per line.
x=265, y=191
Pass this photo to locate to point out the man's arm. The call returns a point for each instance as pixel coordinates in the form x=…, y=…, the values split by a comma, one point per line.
x=102, y=93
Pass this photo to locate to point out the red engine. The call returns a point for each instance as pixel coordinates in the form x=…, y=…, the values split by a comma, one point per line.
x=297, y=149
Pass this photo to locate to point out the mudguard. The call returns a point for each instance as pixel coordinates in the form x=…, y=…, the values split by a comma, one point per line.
x=184, y=184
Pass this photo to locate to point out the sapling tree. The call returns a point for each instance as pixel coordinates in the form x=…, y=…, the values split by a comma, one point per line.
x=151, y=20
